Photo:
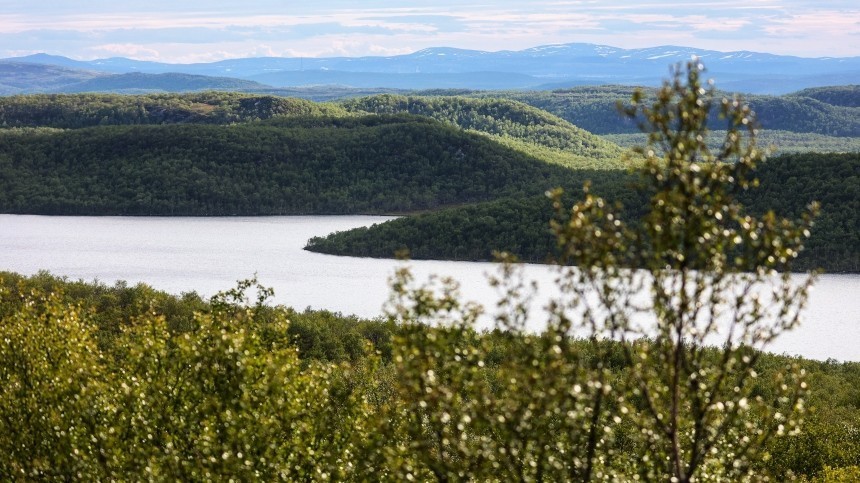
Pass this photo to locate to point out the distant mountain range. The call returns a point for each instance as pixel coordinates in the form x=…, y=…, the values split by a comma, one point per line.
x=545, y=67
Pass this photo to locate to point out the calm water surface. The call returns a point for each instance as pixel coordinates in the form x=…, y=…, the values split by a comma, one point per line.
x=209, y=254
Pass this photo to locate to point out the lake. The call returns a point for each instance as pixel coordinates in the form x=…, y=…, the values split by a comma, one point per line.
x=207, y=255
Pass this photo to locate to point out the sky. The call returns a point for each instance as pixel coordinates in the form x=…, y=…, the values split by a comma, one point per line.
x=183, y=31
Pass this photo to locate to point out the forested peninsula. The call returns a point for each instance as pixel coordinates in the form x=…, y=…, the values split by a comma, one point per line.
x=787, y=185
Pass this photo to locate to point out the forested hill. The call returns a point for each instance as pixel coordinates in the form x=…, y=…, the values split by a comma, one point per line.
x=83, y=110
x=788, y=185
x=169, y=82
x=560, y=119
x=518, y=126
x=19, y=77
x=289, y=165
x=848, y=96
x=227, y=153
x=832, y=111
x=505, y=119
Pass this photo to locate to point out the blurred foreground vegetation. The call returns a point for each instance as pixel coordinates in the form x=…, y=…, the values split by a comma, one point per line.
x=101, y=382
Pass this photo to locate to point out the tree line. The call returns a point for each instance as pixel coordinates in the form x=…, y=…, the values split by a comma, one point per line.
x=72, y=111
x=831, y=111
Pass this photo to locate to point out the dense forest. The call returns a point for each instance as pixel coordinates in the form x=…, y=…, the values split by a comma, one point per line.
x=775, y=142
x=825, y=111
x=240, y=154
x=829, y=111
x=133, y=382
x=517, y=226
x=505, y=120
x=297, y=165
x=787, y=185
x=848, y=96
x=511, y=123
x=83, y=110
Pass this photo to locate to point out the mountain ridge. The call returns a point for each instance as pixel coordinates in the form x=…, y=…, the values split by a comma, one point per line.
x=532, y=68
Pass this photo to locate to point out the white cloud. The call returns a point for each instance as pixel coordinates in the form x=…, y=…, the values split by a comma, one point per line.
x=203, y=31
x=136, y=51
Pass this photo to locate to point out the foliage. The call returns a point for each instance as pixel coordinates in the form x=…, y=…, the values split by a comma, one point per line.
x=787, y=183
x=229, y=398
x=830, y=111
x=710, y=272
x=294, y=165
x=59, y=324
x=709, y=275
x=539, y=413
x=85, y=110
x=776, y=142
x=511, y=122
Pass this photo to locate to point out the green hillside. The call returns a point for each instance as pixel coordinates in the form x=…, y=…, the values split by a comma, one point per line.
x=848, y=96
x=517, y=125
x=830, y=111
x=462, y=233
x=228, y=153
x=298, y=165
x=151, y=381
x=92, y=154
x=170, y=82
x=83, y=110
x=788, y=185
x=776, y=142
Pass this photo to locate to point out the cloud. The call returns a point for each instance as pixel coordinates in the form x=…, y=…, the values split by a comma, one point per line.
x=439, y=23
x=139, y=52
x=814, y=23
x=199, y=29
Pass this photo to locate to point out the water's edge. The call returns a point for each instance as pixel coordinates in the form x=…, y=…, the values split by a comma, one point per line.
x=206, y=255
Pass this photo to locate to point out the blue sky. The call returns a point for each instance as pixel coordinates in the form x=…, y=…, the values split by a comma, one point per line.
x=203, y=31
